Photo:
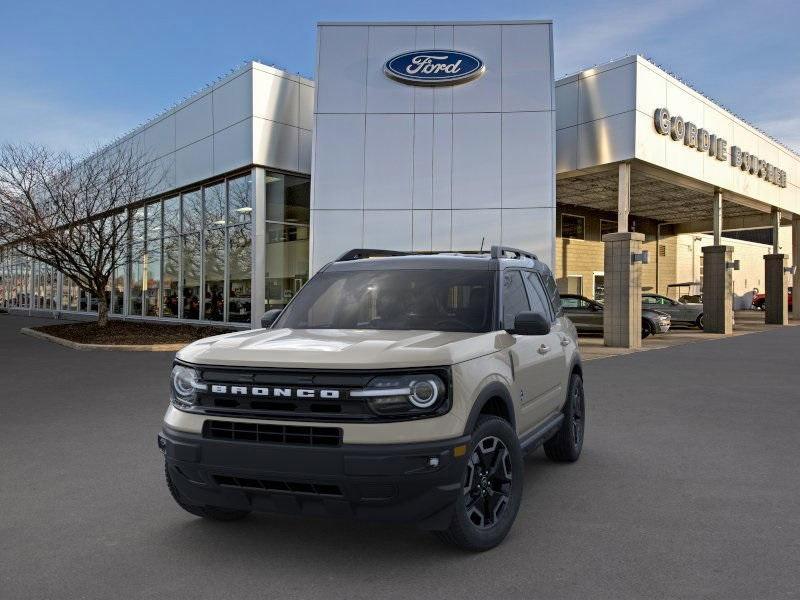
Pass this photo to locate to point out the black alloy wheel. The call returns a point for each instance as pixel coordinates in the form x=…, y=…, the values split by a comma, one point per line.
x=487, y=486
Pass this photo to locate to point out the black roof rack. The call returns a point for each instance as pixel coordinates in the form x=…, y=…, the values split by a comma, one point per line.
x=501, y=251
x=359, y=253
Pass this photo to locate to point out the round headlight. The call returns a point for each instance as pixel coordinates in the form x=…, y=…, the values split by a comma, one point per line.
x=423, y=393
x=185, y=383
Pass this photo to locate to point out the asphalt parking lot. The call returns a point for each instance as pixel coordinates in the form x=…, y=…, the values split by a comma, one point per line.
x=688, y=488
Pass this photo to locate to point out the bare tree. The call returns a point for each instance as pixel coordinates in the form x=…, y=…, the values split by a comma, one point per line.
x=70, y=213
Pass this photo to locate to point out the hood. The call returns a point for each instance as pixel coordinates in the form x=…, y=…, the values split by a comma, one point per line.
x=341, y=348
x=653, y=312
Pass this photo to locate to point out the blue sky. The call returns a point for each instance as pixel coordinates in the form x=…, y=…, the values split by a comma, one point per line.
x=75, y=74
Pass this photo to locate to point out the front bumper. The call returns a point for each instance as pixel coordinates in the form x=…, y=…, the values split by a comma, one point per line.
x=411, y=483
x=663, y=326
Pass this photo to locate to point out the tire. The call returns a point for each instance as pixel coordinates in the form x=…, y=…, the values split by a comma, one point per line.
x=488, y=505
x=646, y=329
x=566, y=445
x=207, y=512
x=700, y=321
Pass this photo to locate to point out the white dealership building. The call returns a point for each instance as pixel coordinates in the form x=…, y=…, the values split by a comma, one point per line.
x=447, y=136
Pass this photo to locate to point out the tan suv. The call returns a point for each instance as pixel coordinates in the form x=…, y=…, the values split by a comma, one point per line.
x=393, y=387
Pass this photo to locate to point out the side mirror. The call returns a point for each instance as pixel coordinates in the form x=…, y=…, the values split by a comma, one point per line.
x=270, y=317
x=531, y=323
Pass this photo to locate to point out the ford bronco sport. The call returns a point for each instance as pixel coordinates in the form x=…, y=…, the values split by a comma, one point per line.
x=392, y=387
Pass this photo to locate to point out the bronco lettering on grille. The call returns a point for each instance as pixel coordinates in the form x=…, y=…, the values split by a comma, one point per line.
x=275, y=392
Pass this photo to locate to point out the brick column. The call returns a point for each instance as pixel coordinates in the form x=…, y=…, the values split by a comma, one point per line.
x=776, y=289
x=717, y=290
x=622, y=312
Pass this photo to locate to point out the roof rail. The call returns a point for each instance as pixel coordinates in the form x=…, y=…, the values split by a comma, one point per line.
x=359, y=253
x=500, y=251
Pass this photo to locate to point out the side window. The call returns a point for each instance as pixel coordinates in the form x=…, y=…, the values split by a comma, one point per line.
x=515, y=300
x=551, y=288
x=570, y=303
x=538, y=297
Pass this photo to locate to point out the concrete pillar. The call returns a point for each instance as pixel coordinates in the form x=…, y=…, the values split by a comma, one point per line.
x=623, y=197
x=622, y=313
x=717, y=290
x=776, y=231
x=258, y=249
x=776, y=289
x=796, y=263
x=717, y=217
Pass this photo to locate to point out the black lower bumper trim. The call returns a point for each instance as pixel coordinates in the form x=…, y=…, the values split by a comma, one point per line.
x=412, y=483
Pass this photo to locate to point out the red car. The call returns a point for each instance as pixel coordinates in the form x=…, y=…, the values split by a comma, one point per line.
x=760, y=300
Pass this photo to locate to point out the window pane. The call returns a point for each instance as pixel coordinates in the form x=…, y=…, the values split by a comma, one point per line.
x=214, y=292
x=152, y=270
x=119, y=290
x=170, y=276
x=137, y=225
x=214, y=196
x=192, y=211
x=288, y=198
x=572, y=227
x=191, y=276
x=287, y=263
x=154, y=220
x=515, y=300
x=536, y=295
x=239, y=209
x=607, y=227
x=135, y=298
x=239, y=273
x=172, y=216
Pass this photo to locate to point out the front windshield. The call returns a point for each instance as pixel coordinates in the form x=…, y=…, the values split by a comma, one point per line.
x=436, y=300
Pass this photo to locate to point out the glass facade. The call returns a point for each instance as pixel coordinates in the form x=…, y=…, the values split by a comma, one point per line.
x=190, y=256
x=288, y=217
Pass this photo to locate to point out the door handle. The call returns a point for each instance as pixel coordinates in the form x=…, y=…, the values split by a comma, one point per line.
x=565, y=341
x=543, y=349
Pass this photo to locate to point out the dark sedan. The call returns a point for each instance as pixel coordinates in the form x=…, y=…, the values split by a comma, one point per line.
x=587, y=316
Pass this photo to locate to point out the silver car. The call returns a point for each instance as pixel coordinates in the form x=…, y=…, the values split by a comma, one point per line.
x=682, y=313
x=587, y=316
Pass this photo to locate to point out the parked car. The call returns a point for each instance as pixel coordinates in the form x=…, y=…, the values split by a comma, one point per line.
x=392, y=387
x=760, y=300
x=587, y=316
x=681, y=313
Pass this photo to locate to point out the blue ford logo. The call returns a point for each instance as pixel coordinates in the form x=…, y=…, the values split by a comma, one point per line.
x=434, y=67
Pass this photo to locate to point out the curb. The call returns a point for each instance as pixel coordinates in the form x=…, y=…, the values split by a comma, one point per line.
x=123, y=347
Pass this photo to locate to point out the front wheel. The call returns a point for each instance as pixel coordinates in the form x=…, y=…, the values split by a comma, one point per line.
x=491, y=489
x=646, y=329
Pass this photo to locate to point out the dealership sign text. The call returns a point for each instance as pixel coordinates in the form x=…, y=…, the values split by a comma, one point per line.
x=434, y=67
x=706, y=142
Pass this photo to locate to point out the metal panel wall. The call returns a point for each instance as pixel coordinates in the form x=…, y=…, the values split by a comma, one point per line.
x=420, y=168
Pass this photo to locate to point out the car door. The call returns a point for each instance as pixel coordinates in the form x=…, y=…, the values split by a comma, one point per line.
x=595, y=315
x=537, y=359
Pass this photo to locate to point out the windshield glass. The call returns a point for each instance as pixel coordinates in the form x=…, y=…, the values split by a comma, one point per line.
x=436, y=300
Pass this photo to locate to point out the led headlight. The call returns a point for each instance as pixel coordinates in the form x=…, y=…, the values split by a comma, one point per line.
x=405, y=395
x=185, y=382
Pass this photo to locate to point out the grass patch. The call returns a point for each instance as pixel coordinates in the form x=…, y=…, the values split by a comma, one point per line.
x=131, y=332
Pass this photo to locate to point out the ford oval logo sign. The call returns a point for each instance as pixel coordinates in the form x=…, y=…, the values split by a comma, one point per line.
x=434, y=67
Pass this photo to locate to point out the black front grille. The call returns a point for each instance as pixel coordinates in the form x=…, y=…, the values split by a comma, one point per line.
x=273, y=434
x=301, y=395
x=269, y=485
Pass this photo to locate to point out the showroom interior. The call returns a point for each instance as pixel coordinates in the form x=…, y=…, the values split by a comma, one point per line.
x=606, y=163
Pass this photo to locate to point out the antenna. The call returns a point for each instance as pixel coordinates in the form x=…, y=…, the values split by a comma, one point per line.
x=483, y=239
